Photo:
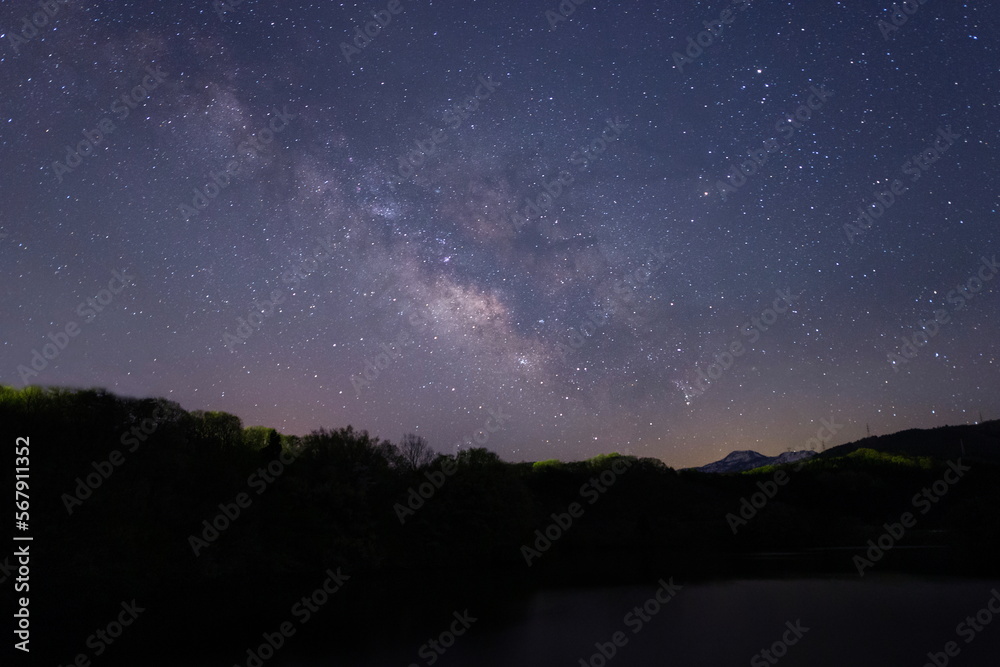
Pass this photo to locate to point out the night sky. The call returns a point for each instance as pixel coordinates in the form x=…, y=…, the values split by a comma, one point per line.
x=576, y=245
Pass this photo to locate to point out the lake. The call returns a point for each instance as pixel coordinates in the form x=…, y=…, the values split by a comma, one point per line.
x=878, y=620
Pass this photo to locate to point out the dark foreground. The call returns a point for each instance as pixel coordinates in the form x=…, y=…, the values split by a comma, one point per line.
x=214, y=544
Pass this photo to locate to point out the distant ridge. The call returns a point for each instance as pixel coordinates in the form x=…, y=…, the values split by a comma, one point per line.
x=746, y=459
x=973, y=442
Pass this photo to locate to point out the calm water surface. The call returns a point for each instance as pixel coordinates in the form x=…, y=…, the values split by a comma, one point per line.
x=878, y=620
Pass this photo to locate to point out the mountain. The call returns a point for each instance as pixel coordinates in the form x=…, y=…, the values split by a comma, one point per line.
x=747, y=459
x=972, y=442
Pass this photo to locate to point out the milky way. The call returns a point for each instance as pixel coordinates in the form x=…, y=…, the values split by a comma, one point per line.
x=667, y=229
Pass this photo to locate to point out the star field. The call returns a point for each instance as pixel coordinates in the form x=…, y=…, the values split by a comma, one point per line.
x=473, y=211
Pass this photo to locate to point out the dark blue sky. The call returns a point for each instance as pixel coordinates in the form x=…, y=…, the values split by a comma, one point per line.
x=586, y=218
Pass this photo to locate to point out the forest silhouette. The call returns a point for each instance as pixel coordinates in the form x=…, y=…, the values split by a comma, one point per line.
x=126, y=496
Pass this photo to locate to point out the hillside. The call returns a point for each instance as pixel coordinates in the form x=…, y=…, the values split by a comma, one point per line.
x=973, y=442
x=212, y=523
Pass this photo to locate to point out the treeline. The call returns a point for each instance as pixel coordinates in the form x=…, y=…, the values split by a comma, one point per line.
x=127, y=496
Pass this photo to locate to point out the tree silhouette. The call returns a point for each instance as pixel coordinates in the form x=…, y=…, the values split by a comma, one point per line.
x=273, y=448
x=415, y=452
